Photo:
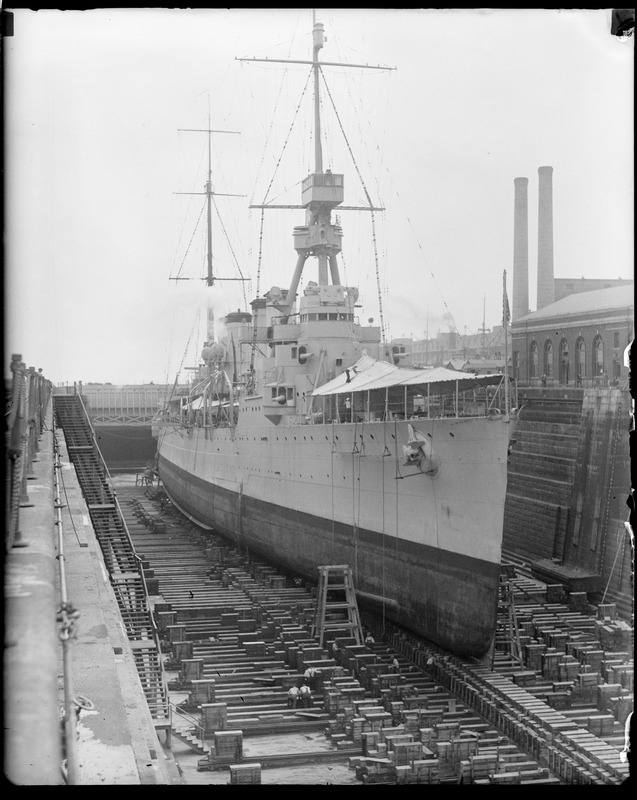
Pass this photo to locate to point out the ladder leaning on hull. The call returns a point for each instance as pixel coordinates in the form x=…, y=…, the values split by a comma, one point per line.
x=336, y=607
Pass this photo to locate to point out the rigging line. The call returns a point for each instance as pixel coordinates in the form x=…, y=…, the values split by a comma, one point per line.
x=274, y=114
x=378, y=286
x=433, y=491
x=360, y=113
x=191, y=239
x=287, y=138
x=620, y=540
x=258, y=288
x=332, y=479
x=340, y=124
x=236, y=260
x=350, y=323
x=382, y=466
x=354, y=520
x=190, y=203
x=183, y=358
x=396, y=483
x=362, y=448
x=61, y=478
x=253, y=105
x=285, y=190
x=369, y=200
x=418, y=244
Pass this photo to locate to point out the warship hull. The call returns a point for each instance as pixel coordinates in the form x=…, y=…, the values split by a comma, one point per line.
x=425, y=551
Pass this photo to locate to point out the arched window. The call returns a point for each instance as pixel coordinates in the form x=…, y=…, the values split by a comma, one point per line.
x=534, y=360
x=598, y=356
x=580, y=360
x=564, y=361
x=548, y=358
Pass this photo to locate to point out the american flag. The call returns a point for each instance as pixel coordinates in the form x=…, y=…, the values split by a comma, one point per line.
x=506, y=311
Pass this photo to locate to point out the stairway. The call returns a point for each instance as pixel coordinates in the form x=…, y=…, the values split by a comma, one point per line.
x=336, y=608
x=121, y=561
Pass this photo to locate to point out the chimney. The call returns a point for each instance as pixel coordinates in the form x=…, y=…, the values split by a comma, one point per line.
x=520, y=249
x=545, y=280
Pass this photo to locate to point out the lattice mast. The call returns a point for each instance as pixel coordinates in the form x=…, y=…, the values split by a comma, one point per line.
x=321, y=191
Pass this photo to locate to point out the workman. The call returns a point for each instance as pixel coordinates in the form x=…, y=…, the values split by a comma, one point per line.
x=395, y=665
x=310, y=676
x=369, y=639
x=306, y=695
x=293, y=696
x=336, y=651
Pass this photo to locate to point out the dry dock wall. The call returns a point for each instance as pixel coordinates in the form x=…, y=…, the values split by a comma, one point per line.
x=568, y=483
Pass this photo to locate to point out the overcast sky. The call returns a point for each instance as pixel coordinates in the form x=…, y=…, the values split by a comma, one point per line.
x=95, y=229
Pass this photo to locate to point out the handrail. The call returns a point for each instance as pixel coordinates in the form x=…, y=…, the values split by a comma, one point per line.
x=188, y=718
x=113, y=493
x=66, y=618
x=25, y=421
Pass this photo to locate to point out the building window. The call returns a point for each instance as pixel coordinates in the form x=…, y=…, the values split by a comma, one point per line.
x=534, y=360
x=580, y=368
x=598, y=355
x=548, y=358
x=616, y=340
x=564, y=362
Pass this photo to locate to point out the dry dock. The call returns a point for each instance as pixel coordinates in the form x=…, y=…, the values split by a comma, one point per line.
x=181, y=650
x=236, y=633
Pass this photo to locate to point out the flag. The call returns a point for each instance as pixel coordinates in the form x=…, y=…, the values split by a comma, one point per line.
x=506, y=312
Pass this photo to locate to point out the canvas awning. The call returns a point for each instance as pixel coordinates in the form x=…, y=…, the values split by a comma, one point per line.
x=368, y=374
x=197, y=403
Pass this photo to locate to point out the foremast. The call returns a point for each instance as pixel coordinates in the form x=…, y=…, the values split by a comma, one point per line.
x=321, y=192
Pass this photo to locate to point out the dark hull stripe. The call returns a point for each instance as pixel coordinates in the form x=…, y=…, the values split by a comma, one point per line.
x=449, y=598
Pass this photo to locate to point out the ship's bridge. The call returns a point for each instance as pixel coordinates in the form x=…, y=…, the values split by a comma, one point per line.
x=320, y=193
x=324, y=188
x=329, y=299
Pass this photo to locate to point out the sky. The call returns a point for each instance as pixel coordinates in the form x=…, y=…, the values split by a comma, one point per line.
x=100, y=174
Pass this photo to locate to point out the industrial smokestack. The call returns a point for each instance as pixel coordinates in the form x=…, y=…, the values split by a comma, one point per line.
x=545, y=280
x=520, y=249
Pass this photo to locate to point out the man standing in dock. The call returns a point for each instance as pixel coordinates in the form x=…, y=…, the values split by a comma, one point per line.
x=310, y=676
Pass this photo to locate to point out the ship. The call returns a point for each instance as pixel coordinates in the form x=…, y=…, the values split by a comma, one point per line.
x=307, y=442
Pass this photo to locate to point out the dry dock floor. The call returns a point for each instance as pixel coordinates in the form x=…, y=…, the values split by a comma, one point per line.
x=203, y=633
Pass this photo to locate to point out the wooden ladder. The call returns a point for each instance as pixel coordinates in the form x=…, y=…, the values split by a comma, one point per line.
x=336, y=606
x=507, y=624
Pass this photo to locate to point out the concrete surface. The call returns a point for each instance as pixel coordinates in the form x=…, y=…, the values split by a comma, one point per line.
x=116, y=740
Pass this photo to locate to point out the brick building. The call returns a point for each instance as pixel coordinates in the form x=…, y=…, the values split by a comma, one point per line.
x=579, y=340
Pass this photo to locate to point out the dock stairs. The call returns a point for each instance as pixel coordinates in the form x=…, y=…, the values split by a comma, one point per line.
x=336, y=607
x=120, y=559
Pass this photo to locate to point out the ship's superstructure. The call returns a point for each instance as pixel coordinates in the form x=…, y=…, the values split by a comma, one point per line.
x=305, y=444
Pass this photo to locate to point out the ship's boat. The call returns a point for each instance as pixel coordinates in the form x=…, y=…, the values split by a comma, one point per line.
x=305, y=441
